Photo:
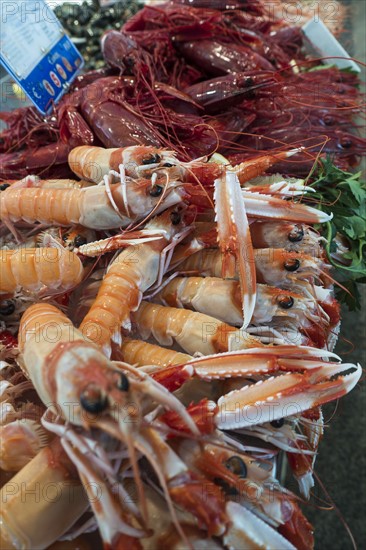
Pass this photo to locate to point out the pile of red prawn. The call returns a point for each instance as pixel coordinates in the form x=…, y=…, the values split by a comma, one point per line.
x=197, y=80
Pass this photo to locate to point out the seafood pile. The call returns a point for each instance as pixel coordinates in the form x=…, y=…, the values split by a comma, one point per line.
x=198, y=79
x=167, y=307
x=167, y=332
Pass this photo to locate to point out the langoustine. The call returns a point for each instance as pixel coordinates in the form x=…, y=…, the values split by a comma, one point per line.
x=128, y=277
x=221, y=298
x=274, y=266
x=98, y=389
x=107, y=206
x=300, y=446
x=197, y=177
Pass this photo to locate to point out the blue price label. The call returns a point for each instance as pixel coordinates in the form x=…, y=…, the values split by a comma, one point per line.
x=36, y=51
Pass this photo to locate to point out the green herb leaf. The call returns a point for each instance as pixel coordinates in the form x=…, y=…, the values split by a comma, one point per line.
x=355, y=188
x=343, y=194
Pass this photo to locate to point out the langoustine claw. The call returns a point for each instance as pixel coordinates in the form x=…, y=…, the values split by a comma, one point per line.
x=307, y=383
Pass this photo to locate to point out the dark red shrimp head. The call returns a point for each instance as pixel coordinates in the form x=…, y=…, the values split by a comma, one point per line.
x=227, y=90
x=114, y=122
x=122, y=52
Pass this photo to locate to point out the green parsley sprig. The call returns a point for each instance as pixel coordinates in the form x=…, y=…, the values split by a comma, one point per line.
x=344, y=195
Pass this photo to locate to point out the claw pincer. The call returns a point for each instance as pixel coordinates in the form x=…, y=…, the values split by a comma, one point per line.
x=292, y=380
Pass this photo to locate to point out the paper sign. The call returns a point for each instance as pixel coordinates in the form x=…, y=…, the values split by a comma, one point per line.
x=36, y=51
x=328, y=46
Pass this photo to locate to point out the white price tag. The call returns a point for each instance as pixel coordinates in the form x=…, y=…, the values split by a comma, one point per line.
x=36, y=51
x=326, y=44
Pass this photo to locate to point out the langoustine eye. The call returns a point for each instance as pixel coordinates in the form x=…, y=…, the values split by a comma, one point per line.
x=123, y=383
x=93, y=399
x=285, y=301
x=175, y=217
x=292, y=265
x=154, y=158
x=236, y=465
x=278, y=423
x=296, y=234
x=156, y=191
x=7, y=307
x=80, y=240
